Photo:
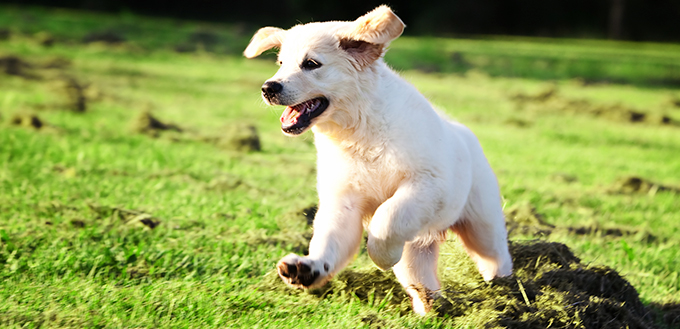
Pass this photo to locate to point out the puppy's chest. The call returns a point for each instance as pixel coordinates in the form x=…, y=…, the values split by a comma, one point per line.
x=373, y=172
x=376, y=177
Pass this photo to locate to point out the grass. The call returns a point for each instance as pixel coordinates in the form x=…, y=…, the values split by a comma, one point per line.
x=74, y=253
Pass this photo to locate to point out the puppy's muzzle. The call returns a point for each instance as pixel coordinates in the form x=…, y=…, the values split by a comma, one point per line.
x=271, y=91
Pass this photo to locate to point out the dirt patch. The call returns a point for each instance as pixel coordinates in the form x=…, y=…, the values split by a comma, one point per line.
x=45, y=39
x=373, y=321
x=673, y=101
x=523, y=219
x=148, y=124
x=239, y=137
x=128, y=216
x=17, y=66
x=185, y=48
x=75, y=92
x=204, y=37
x=57, y=63
x=640, y=235
x=14, y=65
x=109, y=37
x=564, y=178
x=5, y=34
x=224, y=183
x=550, y=288
x=550, y=100
x=199, y=40
x=28, y=120
x=236, y=137
x=78, y=223
x=639, y=185
x=518, y=122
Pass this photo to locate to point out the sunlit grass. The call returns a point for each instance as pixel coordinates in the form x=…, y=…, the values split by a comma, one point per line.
x=227, y=216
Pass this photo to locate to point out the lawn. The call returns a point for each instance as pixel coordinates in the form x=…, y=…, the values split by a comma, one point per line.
x=112, y=218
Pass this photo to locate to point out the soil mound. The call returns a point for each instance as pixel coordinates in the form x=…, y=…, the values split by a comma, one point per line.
x=550, y=100
x=635, y=184
x=75, y=93
x=5, y=34
x=550, y=288
x=109, y=37
x=240, y=137
x=524, y=220
x=16, y=66
x=129, y=216
x=148, y=124
x=27, y=120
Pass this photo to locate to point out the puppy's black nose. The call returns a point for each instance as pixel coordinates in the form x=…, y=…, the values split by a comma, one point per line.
x=271, y=88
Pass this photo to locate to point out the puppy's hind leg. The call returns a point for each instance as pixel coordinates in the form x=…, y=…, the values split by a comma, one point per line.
x=417, y=273
x=482, y=231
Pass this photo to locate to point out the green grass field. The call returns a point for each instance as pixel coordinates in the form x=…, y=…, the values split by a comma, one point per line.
x=106, y=221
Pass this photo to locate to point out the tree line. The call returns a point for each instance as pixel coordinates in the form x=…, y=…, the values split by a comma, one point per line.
x=640, y=20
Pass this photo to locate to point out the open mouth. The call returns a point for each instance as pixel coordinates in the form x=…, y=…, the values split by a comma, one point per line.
x=295, y=119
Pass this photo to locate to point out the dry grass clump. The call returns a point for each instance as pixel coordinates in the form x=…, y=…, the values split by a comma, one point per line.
x=108, y=37
x=28, y=120
x=16, y=66
x=148, y=124
x=5, y=34
x=75, y=93
x=635, y=184
x=523, y=219
x=550, y=100
x=240, y=137
x=128, y=216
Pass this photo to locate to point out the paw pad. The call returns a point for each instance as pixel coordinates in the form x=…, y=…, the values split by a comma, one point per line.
x=297, y=274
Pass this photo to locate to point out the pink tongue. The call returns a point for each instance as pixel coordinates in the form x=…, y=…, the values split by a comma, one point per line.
x=289, y=116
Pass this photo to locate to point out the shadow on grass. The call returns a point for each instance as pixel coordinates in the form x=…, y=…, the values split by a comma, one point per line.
x=550, y=287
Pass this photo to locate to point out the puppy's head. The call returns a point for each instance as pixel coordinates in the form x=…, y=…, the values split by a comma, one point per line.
x=320, y=64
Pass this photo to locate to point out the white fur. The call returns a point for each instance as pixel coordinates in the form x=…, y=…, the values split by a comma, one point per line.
x=387, y=162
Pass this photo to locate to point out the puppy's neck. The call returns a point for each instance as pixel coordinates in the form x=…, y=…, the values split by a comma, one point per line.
x=357, y=122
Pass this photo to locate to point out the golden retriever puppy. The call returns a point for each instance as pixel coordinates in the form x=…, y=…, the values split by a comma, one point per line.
x=387, y=161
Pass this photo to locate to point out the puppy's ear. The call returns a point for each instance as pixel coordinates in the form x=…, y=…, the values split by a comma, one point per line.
x=264, y=39
x=363, y=53
x=380, y=26
x=366, y=37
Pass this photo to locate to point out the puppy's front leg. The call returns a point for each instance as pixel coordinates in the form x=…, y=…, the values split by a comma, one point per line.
x=399, y=219
x=337, y=236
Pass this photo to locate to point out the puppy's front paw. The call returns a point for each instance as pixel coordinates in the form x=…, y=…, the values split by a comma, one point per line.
x=301, y=272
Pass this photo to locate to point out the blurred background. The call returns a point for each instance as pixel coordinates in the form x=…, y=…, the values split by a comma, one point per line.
x=640, y=20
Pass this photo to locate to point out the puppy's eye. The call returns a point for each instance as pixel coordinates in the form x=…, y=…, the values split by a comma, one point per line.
x=311, y=64
x=279, y=62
